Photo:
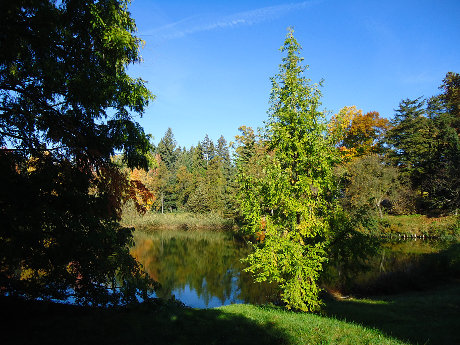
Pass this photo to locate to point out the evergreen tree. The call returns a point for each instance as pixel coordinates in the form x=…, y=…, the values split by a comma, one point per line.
x=292, y=199
x=408, y=139
x=441, y=180
x=184, y=158
x=451, y=97
x=245, y=146
x=208, y=149
x=228, y=171
x=198, y=163
x=425, y=144
x=167, y=150
x=223, y=154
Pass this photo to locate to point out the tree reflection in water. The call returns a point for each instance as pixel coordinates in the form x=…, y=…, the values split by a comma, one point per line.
x=200, y=268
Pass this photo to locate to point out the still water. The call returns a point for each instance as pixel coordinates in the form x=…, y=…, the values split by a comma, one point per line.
x=203, y=269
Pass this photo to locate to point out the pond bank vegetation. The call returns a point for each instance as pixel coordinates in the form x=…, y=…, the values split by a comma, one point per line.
x=389, y=226
x=418, y=226
x=175, y=220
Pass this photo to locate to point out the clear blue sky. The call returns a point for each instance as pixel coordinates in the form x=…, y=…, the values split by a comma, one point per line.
x=209, y=62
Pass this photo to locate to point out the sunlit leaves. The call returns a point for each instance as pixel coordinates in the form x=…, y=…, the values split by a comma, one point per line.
x=286, y=185
x=356, y=134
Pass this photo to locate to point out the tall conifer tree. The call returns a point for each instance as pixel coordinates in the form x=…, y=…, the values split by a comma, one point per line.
x=295, y=200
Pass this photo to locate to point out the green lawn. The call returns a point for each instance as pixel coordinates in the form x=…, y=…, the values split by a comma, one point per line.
x=430, y=317
x=423, y=317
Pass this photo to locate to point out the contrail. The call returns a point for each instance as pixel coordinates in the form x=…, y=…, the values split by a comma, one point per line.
x=201, y=23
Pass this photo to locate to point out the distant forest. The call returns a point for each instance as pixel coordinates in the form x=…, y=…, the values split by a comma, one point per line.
x=408, y=164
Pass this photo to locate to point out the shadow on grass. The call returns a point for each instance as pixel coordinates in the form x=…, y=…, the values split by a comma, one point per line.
x=428, y=317
x=44, y=323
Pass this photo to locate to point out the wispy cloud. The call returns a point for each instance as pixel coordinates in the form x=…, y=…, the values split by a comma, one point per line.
x=200, y=23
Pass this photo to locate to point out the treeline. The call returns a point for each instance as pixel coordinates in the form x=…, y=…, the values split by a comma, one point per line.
x=200, y=179
x=409, y=164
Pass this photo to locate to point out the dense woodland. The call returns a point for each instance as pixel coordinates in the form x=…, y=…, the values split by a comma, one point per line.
x=199, y=179
x=406, y=164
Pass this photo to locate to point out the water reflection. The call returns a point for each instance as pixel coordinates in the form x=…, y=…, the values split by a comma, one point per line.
x=201, y=269
x=394, y=267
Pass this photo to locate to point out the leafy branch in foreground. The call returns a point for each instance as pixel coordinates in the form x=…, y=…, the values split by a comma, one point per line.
x=65, y=103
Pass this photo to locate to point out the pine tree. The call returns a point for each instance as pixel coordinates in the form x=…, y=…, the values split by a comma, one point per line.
x=167, y=149
x=208, y=149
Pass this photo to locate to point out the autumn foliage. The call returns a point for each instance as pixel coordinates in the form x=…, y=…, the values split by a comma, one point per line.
x=357, y=134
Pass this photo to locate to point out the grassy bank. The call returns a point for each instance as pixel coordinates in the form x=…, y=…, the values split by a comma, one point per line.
x=407, y=226
x=417, y=225
x=421, y=317
x=175, y=220
x=170, y=324
x=430, y=317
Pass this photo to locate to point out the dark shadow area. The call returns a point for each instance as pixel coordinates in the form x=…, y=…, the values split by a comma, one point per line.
x=422, y=317
x=397, y=269
x=25, y=322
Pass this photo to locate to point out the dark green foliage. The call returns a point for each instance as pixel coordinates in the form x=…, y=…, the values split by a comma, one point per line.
x=451, y=97
x=425, y=144
x=167, y=150
x=369, y=183
x=223, y=155
x=65, y=102
x=408, y=136
x=208, y=149
x=200, y=179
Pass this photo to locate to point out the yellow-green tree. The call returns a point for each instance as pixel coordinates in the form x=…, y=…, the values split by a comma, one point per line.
x=291, y=200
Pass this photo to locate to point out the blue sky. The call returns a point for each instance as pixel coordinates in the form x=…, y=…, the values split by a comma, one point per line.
x=209, y=63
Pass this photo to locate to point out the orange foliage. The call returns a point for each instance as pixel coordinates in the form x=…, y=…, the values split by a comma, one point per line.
x=356, y=134
x=260, y=236
x=140, y=191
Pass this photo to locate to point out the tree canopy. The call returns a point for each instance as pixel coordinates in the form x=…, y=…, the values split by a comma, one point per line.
x=424, y=143
x=66, y=104
x=356, y=134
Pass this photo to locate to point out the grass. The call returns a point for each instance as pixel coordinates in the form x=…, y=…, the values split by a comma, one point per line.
x=167, y=323
x=423, y=317
x=417, y=225
x=428, y=317
x=175, y=220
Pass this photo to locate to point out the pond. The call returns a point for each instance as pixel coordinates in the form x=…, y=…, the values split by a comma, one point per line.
x=203, y=269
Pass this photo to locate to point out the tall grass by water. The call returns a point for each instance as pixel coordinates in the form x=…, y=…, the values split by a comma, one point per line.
x=417, y=225
x=174, y=220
